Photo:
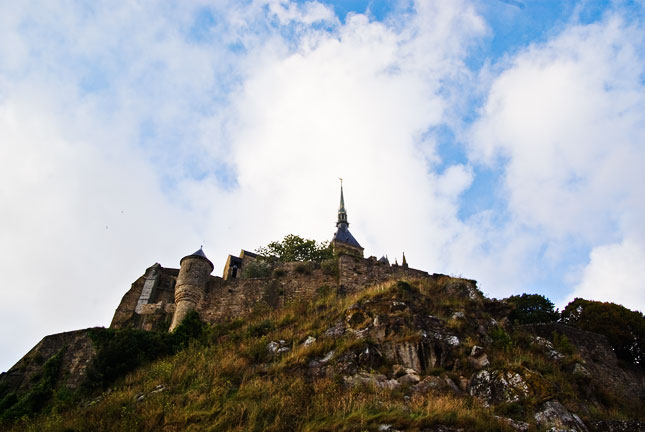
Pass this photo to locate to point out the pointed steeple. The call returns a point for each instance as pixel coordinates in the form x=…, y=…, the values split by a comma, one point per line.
x=342, y=214
x=344, y=241
x=404, y=263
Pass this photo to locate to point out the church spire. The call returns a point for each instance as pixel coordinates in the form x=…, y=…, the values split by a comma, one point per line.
x=342, y=214
x=343, y=241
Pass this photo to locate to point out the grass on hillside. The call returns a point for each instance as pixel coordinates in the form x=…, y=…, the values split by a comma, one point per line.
x=226, y=380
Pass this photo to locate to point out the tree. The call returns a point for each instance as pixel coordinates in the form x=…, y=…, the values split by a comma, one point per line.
x=624, y=328
x=296, y=248
x=532, y=309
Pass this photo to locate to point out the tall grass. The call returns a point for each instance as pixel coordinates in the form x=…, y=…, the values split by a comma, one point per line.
x=227, y=380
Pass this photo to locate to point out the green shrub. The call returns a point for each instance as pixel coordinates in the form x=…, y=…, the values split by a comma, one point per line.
x=257, y=351
x=624, y=328
x=279, y=272
x=522, y=339
x=515, y=410
x=405, y=292
x=324, y=290
x=260, y=329
x=330, y=267
x=121, y=351
x=303, y=268
x=532, y=309
x=295, y=248
x=36, y=399
x=256, y=269
x=561, y=343
x=500, y=338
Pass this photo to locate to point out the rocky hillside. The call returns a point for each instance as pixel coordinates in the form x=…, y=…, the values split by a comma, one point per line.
x=418, y=355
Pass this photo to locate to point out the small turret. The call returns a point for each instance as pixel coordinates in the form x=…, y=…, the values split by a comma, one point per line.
x=194, y=271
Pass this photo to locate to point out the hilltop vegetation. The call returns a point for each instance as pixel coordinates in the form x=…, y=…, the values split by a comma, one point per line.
x=407, y=355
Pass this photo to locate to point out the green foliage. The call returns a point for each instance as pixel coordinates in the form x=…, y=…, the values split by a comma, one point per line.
x=515, y=410
x=562, y=343
x=256, y=269
x=532, y=309
x=231, y=382
x=296, y=248
x=260, y=329
x=324, y=290
x=330, y=267
x=12, y=407
x=405, y=292
x=121, y=351
x=191, y=328
x=8, y=401
x=501, y=339
x=303, y=268
x=625, y=329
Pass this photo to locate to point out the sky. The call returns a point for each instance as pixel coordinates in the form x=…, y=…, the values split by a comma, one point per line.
x=498, y=140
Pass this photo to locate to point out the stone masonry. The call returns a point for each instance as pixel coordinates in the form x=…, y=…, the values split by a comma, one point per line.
x=222, y=299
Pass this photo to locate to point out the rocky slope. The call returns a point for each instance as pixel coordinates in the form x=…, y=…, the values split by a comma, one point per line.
x=432, y=355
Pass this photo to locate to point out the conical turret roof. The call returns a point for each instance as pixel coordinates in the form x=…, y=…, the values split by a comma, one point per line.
x=198, y=254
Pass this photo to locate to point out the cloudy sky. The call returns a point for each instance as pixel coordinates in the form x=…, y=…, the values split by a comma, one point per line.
x=499, y=140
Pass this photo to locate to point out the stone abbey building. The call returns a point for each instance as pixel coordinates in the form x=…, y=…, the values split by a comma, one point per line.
x=162, y=297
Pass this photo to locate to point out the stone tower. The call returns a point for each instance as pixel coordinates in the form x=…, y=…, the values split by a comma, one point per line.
x=194, y=271
x=343, y=241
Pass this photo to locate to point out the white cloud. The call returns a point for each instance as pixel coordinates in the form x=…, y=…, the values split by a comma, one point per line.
x=614, y=274
x=116, y=121
x=565, y=120
x=229, y=124
x=308, y=13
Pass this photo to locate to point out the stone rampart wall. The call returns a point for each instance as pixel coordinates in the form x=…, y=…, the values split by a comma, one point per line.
x=156, y=311
x=77, y=352
x=237, y=297
x=227, y=299
x=357, y=273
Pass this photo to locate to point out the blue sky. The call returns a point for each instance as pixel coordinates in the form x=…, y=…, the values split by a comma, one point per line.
x=497, y=140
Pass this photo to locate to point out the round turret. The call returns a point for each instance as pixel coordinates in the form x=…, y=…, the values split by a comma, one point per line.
x=194, y=271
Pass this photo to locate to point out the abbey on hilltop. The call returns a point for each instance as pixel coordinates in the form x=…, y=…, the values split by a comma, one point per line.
x=162, y=297
x=403, y=334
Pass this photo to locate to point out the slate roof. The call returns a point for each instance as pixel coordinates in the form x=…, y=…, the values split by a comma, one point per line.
x=344, y=236
x=200, y=253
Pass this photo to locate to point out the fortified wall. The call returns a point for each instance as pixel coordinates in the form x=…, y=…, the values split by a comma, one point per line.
x=150, y=302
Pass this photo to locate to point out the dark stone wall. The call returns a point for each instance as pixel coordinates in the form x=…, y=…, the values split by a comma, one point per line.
x=227, y=299
x=236, y=297
x=157, y=313
x=357, y=273
x=78, y=352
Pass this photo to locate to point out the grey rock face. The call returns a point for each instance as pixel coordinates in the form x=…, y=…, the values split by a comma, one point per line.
x=493, y=387
x=478, y=358
x=375, y=380
x=617, y=426
x=518, y=426
x=556, y=417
